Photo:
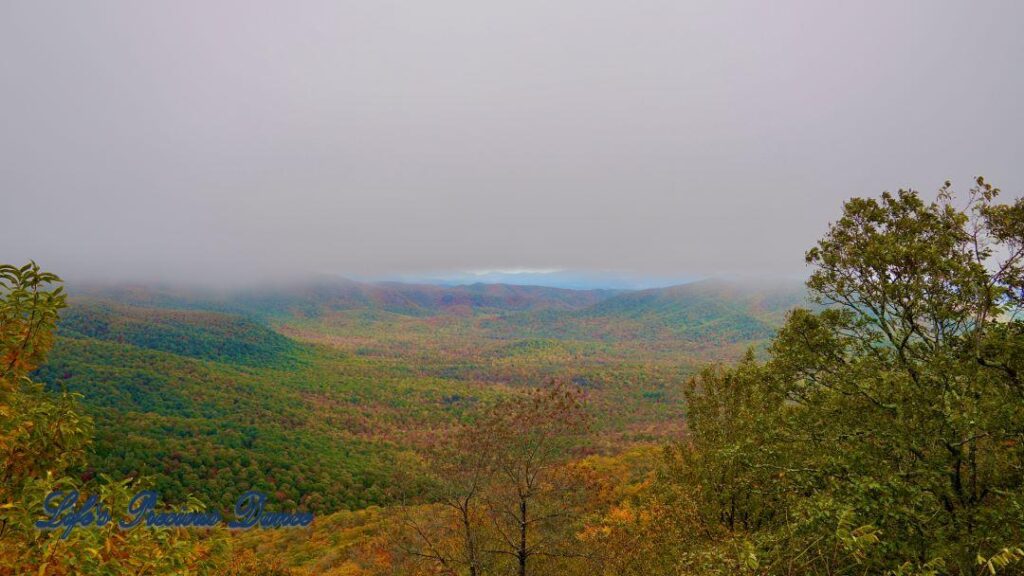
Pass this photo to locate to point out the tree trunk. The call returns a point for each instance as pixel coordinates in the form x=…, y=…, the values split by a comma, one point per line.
x=470, y=544
x=522, y=538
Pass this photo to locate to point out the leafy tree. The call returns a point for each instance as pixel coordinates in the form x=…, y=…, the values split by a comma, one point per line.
x=893, y=416
x=506, y=501
x=732, y=417
x=43, y=439
x=39, y=434
x=910, y=379
x=532, y=500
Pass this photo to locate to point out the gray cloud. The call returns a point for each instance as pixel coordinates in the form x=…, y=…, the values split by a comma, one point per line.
x=244, y=139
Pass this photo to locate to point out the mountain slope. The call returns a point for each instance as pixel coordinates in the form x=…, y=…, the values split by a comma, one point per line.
x=206, y=403
x=195, y=334
x=418, y=299
x=711, y=309
x=323, y=296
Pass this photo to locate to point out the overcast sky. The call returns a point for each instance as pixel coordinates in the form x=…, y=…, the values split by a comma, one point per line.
x=211, y=140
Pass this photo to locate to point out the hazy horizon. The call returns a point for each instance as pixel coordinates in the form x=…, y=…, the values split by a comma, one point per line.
x=563, y=280
x=236, y=142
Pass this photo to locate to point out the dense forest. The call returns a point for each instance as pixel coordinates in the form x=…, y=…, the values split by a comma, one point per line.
x=877, y=428
x=314, y=393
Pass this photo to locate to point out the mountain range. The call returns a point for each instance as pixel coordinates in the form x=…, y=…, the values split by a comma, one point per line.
x=692, y=309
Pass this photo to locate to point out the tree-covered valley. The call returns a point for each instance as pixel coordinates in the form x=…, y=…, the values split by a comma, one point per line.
x=316, y=393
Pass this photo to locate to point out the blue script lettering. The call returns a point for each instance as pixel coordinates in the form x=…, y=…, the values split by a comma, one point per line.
x=249, y=512
x=143, y=502
x=64, y=512
x=62, y=509
x=141, y=509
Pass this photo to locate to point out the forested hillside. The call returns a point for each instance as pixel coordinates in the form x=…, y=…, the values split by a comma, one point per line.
x=318, y=296
x=225, y=338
